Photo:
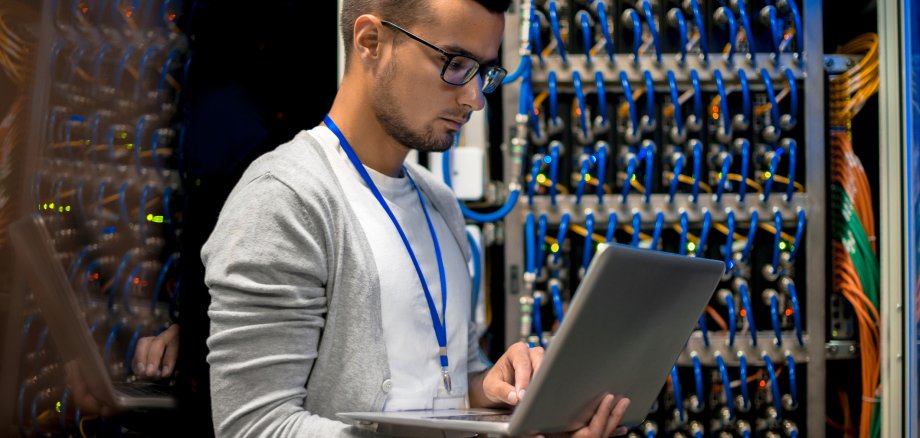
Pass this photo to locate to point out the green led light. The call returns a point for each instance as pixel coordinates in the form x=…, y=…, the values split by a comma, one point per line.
x=123, y=135
x=60, y=209
x=57, y=407
x=782, y=246
x=129, y=146
x=67, y=208
x=158, y=219
x=691, y=246
x=198, y=182
x=554, y=248
x=541, y=178
x=149, y=217
x=51, y=206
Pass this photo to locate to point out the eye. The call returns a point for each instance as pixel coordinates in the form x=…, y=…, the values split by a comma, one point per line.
x=456, y=65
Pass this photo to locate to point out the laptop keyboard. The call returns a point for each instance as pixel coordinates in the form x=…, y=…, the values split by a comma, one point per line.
x=144, y=389
x=494, y=418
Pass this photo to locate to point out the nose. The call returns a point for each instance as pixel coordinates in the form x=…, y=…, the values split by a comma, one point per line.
x=471, y=94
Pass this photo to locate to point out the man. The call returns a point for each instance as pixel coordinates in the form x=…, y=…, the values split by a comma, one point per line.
x=331, y=262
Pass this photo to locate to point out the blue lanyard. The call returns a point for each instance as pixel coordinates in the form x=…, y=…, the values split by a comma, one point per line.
x=439, y=324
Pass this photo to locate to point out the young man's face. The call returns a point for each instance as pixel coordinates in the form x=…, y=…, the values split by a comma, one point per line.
x=412, y=102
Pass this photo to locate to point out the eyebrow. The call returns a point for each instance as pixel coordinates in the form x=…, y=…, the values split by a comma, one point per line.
x=461, y=51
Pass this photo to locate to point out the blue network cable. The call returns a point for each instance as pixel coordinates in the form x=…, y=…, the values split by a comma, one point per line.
x=678, y=17
x=554, y=23
x=777, y=240
x=774, y=385
x=650, y=22
x=142, y=71
x=126, y=289
x=601, y=155
x=799, y=30
x=799, y=232
x=790, y=186
x=697, y=99
x=557, y=299
x=723, y=176
x=534, y=172
x=636, y=224
x=776, y=32
x=582, y=180
x=745, y=165
x=678, y=168
x=540, y=244
x=174, y=301
x=774, y=318
x=589, y=241
x=697, y=168
x=632, y=131
x=601, y=100
x=132, y=346
x=142, y=216
x=698, y=377
x=553, y=98
x=752, y=232
x=742, y=365
x=698, y=18
x=585, y=20
x=110, y=340
x=796, y=313
x=649, y=155
x=630, y=173
x=553, y=170
x=65, y=398
x=684, y=225
x=580, y=97
x=726, y=385
x=122, y=67
x=729, y=300
x=745, y=98
x=649, y=98
x=774, y=167
x=522, y=70
x=703, y=330
x=656, y=234
x=774, y=107
x=605, y=28
x=39, y=346
x=704, y=232
x=728, y=251
x=536, y=43
x=746, y=302
x=538, y=319
x=678, y=397
x=164, y=72
x=611, y=227
x=560, y=237
x=123, y=204
x=529, y=242
x=675, y=102
x=161, y=280
x=482, y=217
x=725, y=131
x=749, y=35
x=790, y=364
x=636, y=23
x=78, y=261
x=732, y=32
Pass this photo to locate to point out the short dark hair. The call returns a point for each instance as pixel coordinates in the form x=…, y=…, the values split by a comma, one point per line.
x=406, y=12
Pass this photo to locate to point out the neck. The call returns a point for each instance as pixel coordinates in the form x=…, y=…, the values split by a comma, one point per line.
x=358, y=123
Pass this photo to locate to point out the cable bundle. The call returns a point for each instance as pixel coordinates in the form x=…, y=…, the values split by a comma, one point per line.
x=15, y=49
x=855, y=263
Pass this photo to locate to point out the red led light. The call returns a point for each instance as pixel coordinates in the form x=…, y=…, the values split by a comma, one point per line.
x=137, y=280
x=172, y=16
x=788, y=312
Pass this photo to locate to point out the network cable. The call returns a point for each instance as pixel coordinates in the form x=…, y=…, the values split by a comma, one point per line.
x=726, y=385
x=605, y=28
x=774, y=385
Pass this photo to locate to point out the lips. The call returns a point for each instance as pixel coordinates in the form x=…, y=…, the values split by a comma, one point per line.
x=456, y=122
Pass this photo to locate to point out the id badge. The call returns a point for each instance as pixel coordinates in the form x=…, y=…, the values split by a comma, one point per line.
x=456, y=399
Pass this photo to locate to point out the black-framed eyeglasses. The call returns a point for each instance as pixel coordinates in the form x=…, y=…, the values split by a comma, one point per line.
x=460, y=69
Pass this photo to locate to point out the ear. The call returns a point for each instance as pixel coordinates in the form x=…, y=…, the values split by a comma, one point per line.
x=368, y=37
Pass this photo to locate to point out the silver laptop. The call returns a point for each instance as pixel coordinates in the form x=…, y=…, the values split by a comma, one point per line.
x=628, y=322
x=55, y=296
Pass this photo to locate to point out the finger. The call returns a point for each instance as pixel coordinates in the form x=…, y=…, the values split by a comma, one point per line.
x=616, y=416
x=81, y=393
x=523, y=369
x=170, y=356
x=598, y=422
x=500, y=391
x=620, y=431
x=140, y=355
x=536, y=358
x=155, y=356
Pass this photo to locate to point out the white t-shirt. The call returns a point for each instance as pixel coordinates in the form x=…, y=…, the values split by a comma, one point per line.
x=412, y=348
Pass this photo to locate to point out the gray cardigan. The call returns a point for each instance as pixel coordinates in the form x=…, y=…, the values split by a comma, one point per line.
x=296, y=331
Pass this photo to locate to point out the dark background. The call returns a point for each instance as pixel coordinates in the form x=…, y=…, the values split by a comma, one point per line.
x=259, y=73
